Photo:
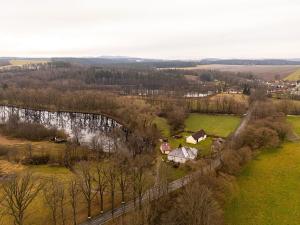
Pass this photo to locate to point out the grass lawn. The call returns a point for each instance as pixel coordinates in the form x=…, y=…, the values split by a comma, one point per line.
x=203, y=146
x=163, y=126
x=221, y=125
x=295, y=122
x=269, y=188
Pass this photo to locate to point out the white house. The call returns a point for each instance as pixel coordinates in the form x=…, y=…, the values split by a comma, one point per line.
x=196, y=137
x=183, y=154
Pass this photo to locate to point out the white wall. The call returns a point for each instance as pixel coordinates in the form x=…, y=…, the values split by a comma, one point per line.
x=176, y=159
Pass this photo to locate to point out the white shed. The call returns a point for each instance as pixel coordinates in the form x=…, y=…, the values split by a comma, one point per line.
x=196, y=137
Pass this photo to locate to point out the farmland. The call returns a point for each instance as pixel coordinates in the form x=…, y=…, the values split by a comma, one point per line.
x=268, y=187
x=22, y=62
x=267, y=72
x=294, y=76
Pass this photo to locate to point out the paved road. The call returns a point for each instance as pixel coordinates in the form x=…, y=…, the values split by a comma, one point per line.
x=150, y=195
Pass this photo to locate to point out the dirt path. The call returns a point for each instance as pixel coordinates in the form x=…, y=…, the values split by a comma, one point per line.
x=244, y=122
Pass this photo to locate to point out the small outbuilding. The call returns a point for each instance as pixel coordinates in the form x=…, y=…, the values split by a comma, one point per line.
x=183, y=154
x=165, y=148
x=196, y=137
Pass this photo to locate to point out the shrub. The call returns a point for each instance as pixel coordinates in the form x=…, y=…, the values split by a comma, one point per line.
x=29, y=131
x=36, y=160
x=3, y=150
x=231, y=162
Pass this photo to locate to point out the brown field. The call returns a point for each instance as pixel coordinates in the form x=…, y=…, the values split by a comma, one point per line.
x=267, y=72
x=237, y=97
x=191, y=77
x=10, y=141
x=21, y=62
x=8, y=167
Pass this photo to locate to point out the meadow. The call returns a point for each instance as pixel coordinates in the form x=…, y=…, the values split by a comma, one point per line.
x=268, y=187
x=219, y=125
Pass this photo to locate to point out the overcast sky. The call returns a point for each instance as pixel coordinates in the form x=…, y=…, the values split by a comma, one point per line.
x=184, y=29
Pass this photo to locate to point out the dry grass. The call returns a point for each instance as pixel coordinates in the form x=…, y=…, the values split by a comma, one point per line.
x=191, y=77
x=38, y=147
x=22, y=62
x=11, y=141
x=237, y=97
x=8, y=167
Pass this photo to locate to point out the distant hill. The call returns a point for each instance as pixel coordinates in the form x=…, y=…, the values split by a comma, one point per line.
x=251, y=61
x=113, y=60
x=158, y=63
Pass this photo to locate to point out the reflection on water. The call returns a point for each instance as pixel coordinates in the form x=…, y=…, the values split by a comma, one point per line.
x=85, y=126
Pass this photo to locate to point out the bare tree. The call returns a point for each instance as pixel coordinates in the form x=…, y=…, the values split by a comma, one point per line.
x=19, y=192
x=101, y=183
x=111, y=176
x=86, y=184
x=61, y=199
x=138, y=177
x=196, y=206
x=51, y=197
x=73, y=191
x=122, y=161
x=97, y=145
x=77, y=135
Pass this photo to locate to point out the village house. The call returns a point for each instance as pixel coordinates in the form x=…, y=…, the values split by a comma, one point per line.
x=165, y=148
x=196, y=137
x=183, y=154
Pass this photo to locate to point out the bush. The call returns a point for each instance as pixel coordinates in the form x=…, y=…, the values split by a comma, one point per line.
x=231, y=162
x=245, y=154
x=3, y=150
x=36, y=160
x=29, y=131
x=259, y=137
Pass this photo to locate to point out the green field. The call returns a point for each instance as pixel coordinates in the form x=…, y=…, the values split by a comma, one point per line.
x=295, y=122
x=293, y=76
x=221, y=125
x=269, y=188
